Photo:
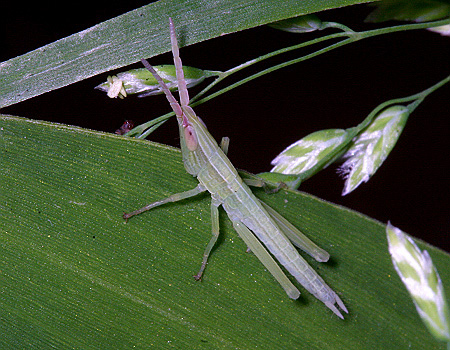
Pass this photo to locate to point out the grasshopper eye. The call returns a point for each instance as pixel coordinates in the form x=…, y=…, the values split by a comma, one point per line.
x=190, y=138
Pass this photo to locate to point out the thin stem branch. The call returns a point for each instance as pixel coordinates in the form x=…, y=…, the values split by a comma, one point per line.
x=348, y=36
x=351, y=37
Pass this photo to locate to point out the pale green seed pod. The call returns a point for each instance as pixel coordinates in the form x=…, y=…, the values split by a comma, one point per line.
x=422, y=281
x=306, y=153
x=301, y=24
x=413, y=10
x=409, y=10
x=369, y=150
x=140, y=81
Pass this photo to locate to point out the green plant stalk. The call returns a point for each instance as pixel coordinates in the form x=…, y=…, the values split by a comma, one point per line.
x=351, y=35
x=353, y=132
x=417, y=98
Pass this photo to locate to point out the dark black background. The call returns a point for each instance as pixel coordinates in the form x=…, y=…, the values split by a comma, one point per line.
x=334, y=90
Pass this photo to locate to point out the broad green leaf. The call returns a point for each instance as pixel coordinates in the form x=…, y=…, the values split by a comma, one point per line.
x=75, y=275
x=142, y=33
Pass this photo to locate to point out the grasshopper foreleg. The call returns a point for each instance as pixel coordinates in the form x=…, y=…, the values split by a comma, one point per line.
x=297, y=237
x=258, y=182
x=173, y=198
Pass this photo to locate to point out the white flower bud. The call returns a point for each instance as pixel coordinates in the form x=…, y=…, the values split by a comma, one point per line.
x=420, y=277
x=307, y=152
x=140, y=81
x=369, y=150
x=301, y=24
x=115, y=88
x=409, y=10
x=443, y=30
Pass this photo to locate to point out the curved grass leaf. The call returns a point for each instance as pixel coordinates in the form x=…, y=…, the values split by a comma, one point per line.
x=142, y=33
x=75, y=275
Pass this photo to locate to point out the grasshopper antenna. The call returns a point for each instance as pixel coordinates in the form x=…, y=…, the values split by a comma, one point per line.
x=182, y=88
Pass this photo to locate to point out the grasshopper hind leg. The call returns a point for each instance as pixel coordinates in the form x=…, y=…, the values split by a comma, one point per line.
x=266, y=259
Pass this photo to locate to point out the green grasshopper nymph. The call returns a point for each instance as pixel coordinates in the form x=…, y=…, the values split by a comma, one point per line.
x=255, y=222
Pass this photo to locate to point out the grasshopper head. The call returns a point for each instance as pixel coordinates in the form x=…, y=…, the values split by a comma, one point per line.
x=186, y=123
x=195, y=140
